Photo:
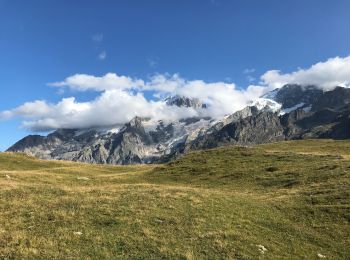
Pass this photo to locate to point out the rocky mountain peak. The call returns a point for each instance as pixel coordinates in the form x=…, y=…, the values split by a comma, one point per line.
x=62, y=134
x=294, y=96
x=291, y=95
x=136, y=122
x=182, y=101
x=333, y=99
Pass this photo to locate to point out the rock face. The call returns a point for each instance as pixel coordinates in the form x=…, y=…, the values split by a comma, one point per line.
x=292, y=112
x=291, y=95
x=326, y=116
x=246, y=127
x=185, y=102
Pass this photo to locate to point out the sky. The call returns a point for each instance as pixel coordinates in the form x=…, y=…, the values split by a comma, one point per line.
x=77, y=64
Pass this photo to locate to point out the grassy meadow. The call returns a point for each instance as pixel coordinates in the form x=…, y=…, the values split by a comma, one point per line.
x=287, y=200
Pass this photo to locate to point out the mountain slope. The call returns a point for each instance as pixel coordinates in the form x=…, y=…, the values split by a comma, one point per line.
x=290, y=198
x=292, y=112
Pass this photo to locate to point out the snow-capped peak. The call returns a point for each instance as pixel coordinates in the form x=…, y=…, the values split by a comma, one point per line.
x=271, y=94
x=265, y=103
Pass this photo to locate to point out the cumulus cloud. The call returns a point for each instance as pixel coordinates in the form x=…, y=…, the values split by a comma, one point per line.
x=83, y=82
x=112, y=107
x=29, y=110
x=120, y=98
x=326, y=75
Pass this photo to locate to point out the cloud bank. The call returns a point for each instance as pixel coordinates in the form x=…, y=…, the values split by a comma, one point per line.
x=326, y=75
x=120, y=98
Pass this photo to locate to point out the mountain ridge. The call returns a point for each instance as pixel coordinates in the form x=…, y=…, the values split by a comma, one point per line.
x=291, y=112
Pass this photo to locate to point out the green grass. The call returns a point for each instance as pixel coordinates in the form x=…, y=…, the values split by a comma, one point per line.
x=293, y=198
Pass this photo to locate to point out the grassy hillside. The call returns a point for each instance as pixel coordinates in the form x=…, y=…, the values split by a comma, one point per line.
x=286, y=200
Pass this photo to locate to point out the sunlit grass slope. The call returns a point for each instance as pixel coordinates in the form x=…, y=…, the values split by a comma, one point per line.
x=282, y=200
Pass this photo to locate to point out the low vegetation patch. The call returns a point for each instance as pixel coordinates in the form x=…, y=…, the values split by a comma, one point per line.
x=281, y=200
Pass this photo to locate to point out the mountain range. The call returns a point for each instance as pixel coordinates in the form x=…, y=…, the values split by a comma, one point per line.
x=287, y=113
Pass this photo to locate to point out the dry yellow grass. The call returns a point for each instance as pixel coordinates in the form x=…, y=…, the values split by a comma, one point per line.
x=223, y=203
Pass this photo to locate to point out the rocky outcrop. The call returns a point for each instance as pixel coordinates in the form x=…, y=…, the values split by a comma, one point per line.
x=257, y=128
x=181, y=101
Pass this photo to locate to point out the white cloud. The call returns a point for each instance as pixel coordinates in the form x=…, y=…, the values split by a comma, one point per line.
x=102, y=55
x=164, y=83
x=120, y=98
x=112, y=107
x=84, y=82
x=29, y=110
x=326, y=75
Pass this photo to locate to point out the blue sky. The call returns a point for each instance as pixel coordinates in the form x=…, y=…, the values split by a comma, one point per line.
x=45, y=41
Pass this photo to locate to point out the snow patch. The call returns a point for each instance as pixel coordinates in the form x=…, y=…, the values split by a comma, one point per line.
x=307, y=109
x=114, y=130
x=290, y=109
x=271, y=95
x=265, y=103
